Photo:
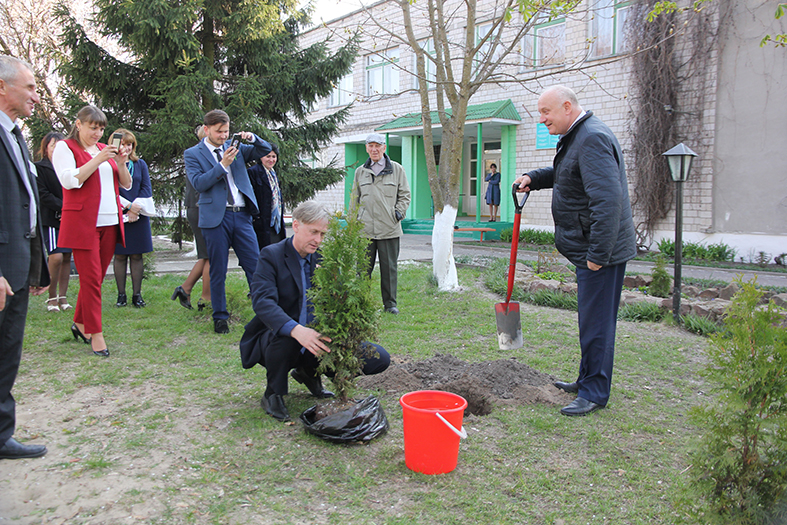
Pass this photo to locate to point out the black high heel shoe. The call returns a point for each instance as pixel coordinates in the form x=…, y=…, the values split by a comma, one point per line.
x=79, y=335
x=181, y=295
x=102, y=353
x=202, y=304
x=137, y=300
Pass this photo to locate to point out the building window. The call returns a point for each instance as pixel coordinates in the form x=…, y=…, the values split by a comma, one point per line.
x=545, y=44
x=382, y=72
x=608, y=27
x=431, y=75
x=481, y=31
x=342, y=93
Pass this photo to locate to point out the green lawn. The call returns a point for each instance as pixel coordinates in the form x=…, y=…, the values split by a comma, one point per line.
x=169, y=429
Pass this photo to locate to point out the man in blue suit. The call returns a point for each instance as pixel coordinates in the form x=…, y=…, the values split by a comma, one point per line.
x=217, y=169
x=278, y=337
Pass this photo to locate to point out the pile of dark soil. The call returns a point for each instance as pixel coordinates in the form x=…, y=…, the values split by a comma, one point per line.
x=483, y=385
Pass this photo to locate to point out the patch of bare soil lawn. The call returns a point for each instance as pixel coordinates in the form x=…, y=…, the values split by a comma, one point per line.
x=483, y=385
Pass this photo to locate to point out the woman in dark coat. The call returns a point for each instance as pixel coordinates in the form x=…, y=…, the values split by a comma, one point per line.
x=51, y=194
x=138, y=207
x=269, y=224
x=493, y=192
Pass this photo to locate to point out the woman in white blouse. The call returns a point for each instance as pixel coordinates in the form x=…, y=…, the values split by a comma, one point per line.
x=92, y=216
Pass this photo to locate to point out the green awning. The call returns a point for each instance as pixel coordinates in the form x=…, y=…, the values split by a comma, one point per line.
x=500, y=110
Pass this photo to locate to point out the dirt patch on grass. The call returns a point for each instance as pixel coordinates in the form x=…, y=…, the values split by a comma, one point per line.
x=483, y=385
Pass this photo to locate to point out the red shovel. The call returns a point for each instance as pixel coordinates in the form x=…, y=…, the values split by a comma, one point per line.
x=509, y=326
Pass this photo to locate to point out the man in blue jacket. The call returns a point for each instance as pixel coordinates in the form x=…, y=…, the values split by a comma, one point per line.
x=594, y=230
x=217, y=169
x=279, y=337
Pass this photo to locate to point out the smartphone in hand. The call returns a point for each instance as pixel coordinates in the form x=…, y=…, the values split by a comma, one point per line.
x=236, y=138
x=117, y=139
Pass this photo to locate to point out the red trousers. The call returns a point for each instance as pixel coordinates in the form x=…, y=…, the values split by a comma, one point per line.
x=92, y=265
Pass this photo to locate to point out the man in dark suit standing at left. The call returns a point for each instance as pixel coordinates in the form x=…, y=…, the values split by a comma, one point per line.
x=23, y=270
x=216, y=167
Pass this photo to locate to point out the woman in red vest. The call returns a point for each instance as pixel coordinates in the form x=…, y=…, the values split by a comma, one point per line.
x=92, y=217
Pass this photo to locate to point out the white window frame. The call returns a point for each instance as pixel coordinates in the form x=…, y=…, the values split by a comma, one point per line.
x=607, y=28
x=431, y=69
x=384, y=65
x=535, y=43
x=342, y=94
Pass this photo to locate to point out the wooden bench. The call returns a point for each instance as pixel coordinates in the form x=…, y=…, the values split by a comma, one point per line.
x=480, y=230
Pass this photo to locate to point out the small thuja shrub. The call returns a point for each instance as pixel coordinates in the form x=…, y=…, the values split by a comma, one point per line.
x=740, y=466
x=660, y=286
x=345, y=308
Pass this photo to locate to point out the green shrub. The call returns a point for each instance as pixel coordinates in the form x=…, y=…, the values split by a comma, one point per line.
x=506, y=235
x=529, y=236
x=641, y=312
x=693, y=250
x=667, y=247
x=740, y=464
x=345, y=309
x=550, y=275
x=699, y=325
x=553, y=299
x=721, y=252
x=660, y=286
x=540, y=237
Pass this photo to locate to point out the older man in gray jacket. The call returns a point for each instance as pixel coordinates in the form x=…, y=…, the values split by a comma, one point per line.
x=380, y=196
x=594, y=230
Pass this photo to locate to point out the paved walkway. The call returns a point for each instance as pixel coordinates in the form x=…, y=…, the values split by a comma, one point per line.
x=419, y=248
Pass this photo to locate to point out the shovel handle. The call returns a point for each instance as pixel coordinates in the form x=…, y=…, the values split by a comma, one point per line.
x=517, y=196
x=515, y=236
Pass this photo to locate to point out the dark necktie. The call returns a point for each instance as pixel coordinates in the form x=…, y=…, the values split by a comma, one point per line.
x=27, y=178
x=230, y=198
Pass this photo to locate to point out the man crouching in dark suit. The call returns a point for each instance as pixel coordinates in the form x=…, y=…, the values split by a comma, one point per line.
x=278, y=337
x=23, y=270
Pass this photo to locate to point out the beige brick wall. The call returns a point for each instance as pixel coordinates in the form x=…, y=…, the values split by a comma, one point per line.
x=602, y=87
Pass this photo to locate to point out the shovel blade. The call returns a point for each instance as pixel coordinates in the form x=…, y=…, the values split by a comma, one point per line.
x=509, y=326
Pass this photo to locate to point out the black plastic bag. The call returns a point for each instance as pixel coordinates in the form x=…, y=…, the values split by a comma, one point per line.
x=362, y=422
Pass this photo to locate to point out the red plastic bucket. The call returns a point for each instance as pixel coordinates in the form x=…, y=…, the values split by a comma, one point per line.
x=432, y=430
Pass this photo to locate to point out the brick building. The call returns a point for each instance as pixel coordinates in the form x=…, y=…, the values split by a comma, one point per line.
x=730, y=110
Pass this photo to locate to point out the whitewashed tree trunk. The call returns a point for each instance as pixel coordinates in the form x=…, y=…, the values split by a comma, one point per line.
x=443, y=264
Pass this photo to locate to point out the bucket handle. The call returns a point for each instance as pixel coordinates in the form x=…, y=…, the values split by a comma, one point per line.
x=461, y=432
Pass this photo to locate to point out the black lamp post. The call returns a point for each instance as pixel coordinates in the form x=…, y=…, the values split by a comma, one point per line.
x=679, y=158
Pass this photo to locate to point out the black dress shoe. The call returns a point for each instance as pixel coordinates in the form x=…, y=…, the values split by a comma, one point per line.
x=571, y=388
x=311, y=381
x=181, y=295
x=102, y=353
x=13, y=449
x=137, y=300
x=79, y=335
x=220, y=326
x=392, y=310
x=122, y=300
x=274, y=406
x=580, y=407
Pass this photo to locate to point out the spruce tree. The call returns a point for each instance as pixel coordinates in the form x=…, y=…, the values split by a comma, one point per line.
x=174, y=60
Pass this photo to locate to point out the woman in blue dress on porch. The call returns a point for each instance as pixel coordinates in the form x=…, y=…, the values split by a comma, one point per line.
x=137, y=208
x=493, y=192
